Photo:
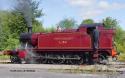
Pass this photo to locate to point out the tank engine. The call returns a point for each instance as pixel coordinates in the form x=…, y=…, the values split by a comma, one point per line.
x=68, y=46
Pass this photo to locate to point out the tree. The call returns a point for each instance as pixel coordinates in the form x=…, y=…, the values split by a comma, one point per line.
x=50, y=29
x=3, y=29
x=11, y=43
x=37, y=26
x=16, y=24
x=120, y=39
x=67, y=23
x=109, y=22
x=87, y=21
x=29, y=10
x=1, y=34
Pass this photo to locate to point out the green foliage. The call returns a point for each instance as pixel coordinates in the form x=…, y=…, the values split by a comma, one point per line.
x=109, y=22
x=121, y=57
x=3, y=30
x=50, y=29
x=120, y=40
x=67, y=23
x=4, y=57
x=1, y=35
x=16, y=24
x=87, y=21
x=7, y=35
x=37, y=28
x=35, y=9
x=11, y=43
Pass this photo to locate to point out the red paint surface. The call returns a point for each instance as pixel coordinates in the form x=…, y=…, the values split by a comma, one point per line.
x=67, y=40
x=106, y=39
x=22, y=53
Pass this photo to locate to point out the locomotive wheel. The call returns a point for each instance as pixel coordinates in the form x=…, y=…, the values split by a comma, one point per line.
x=15, y=59
x=103, y=59
x=58, y=59
x=115, y=59
x=48, y=58
x=78, y=61
x=42, y=59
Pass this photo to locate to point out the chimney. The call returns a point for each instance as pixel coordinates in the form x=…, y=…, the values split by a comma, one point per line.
x=30, y=29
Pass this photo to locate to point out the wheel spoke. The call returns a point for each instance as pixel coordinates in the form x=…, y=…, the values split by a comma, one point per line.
x=59, y=59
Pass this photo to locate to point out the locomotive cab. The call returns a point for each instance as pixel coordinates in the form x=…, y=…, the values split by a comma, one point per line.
x=93, y=31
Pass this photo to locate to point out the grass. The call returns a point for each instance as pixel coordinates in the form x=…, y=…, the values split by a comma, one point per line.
x=4, y=57
x=121, y=57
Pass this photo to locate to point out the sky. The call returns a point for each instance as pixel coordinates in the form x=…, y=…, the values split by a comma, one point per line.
x=57, y=10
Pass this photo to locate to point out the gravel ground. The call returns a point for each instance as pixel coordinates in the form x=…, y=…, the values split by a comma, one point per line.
x=41, y=71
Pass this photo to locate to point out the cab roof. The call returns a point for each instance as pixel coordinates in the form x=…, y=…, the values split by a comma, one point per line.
x=91, y=25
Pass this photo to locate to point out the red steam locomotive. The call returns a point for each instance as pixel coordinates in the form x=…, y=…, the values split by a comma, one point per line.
x=87, y=44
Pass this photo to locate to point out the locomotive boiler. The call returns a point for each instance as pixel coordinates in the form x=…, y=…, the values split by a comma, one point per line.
x=67, y=46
